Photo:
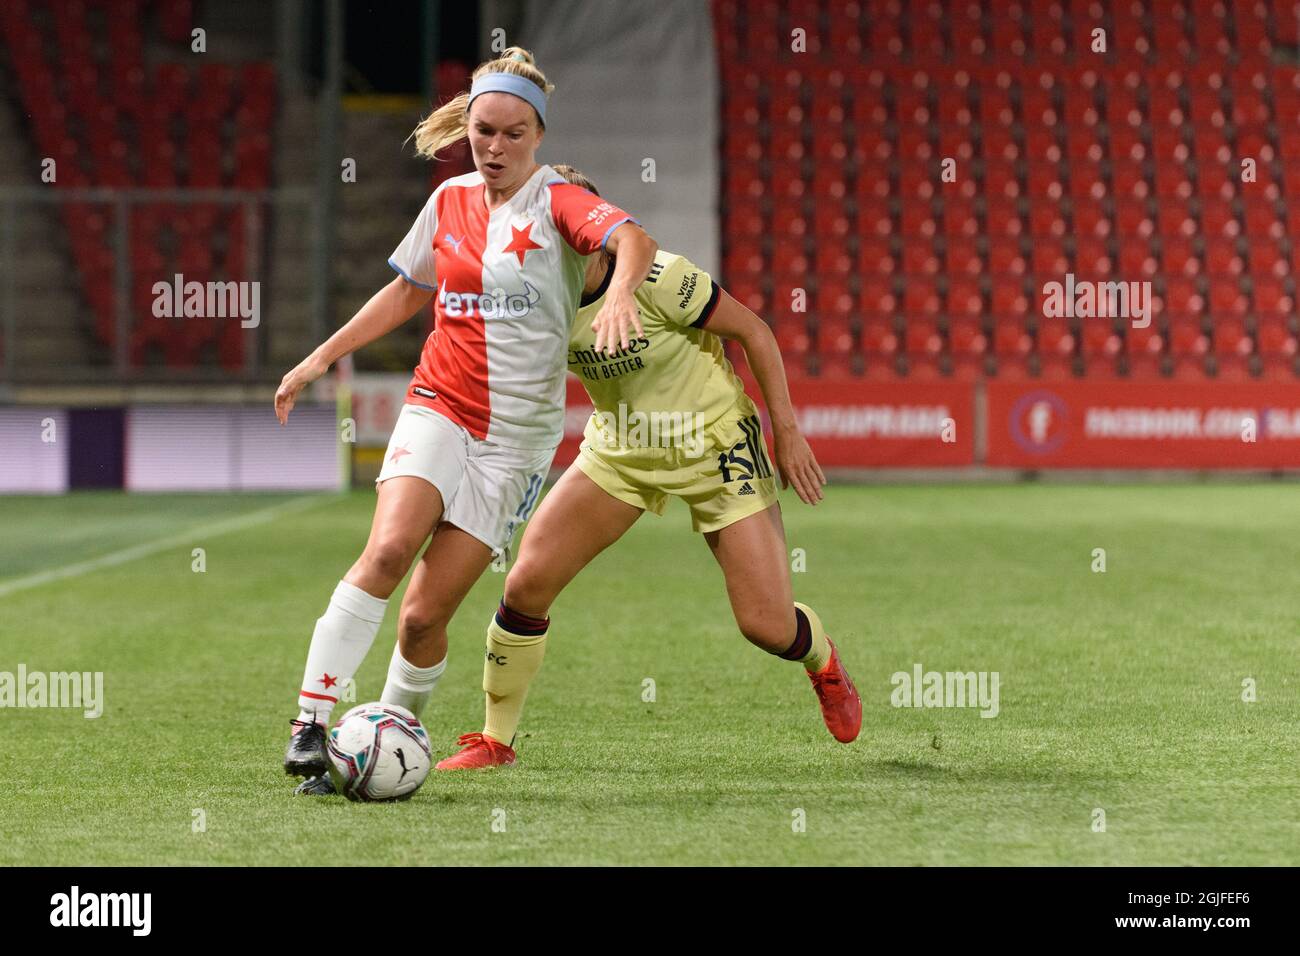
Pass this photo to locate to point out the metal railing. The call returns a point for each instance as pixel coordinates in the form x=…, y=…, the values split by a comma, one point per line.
x=118, y=206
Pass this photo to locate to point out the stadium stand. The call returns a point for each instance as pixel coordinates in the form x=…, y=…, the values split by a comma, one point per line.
x=1124, y=165
x=111, y=116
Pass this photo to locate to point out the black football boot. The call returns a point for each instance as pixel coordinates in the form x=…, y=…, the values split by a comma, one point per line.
x=319, y=786
x=306, y=754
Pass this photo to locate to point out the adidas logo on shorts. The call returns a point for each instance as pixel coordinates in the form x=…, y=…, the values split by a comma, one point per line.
x=746, y=489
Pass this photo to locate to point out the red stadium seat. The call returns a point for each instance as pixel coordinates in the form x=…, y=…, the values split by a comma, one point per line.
x=877, y=298
x=1267, y=261
x=1054, y=338
x=1049, y=259
x=1005, y=258
x=1092, y=258
x=1046, y=222
x=1090, y=220
x=792, y=339
x=743, y=259
x=875, y=255
x=1281, y=370
x=1218, y=220
x=922, y=337
x=1187, y=338
x=1138, y=258
x=1010, y=338
x=919, y=258
x=1221, y=257
x=965, y=297
x=830, y=223
x=1189, y=369
x=963, y=258
x=1276, y=341
x=959, y=219
x=1231, y=338
x=966, y=337
x=1226, y=298
x=921, y=299
x=833, y=260
x=1098, y=338
x=879, y=337
x=1231, y=368
x=1133, y=221
x=883, y=371
x=834, y=300
x=1009, y=299
x=1270, y=300
x=835, y=336
x=1182, y=298
x=918, y=219
x=1178, y=257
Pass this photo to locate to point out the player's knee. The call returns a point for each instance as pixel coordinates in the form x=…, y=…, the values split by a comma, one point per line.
x=422, y=632
x=389, y=558
x=527, y=589
x=421, y=621
x=768, y=631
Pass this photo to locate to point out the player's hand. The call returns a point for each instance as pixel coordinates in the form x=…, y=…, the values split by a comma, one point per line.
x=797, y=466
x=616, y=317
x=294, y=381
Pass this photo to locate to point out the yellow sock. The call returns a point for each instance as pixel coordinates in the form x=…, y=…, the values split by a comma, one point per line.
x=513, y=659
x=819, y=649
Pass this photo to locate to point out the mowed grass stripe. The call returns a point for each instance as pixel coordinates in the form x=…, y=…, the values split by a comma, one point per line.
x=1119, y=691
x=147, y=548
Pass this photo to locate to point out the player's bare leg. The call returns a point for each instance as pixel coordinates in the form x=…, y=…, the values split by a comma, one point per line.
x=752, y=555
x=576, y=521
x=452, y=562
x=406, y=510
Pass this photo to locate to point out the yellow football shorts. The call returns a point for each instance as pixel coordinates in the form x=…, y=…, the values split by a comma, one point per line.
x=722, y=472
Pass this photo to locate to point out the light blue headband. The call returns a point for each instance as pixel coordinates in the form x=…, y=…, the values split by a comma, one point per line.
x=519, y=86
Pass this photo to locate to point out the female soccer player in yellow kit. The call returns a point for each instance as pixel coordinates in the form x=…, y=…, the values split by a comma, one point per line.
x=674, y=378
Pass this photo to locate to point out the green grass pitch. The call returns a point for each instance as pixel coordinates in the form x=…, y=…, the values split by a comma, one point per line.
x=1119, y=691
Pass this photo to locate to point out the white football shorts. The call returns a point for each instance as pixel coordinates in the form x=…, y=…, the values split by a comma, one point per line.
x=488, y=490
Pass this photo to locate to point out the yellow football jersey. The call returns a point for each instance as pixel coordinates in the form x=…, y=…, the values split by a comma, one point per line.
x=676, y=367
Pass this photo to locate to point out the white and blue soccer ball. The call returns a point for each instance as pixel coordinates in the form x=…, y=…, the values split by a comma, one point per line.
x=378, y=752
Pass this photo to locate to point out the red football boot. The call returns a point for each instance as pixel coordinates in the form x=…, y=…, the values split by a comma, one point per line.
x=841, y=705
x=479, y=752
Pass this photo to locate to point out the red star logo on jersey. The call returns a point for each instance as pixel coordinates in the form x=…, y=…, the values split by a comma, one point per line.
x=521, y=243
x=328, y=681
x=398, y=453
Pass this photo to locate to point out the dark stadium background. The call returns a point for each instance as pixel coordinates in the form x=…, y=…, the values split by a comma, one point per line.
x=800, y=150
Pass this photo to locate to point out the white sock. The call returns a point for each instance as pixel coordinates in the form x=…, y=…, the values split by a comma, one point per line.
x=339, y=644
x=410, y=686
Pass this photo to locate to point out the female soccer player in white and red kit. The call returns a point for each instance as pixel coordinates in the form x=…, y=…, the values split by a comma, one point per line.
x=504, y=250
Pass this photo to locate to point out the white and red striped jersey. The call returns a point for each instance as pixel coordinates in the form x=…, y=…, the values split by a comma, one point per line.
x=507, y=286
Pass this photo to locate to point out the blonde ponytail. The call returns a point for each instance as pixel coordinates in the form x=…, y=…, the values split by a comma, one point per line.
x=449, y=123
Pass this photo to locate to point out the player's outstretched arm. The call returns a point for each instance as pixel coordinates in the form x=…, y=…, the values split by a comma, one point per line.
x=387, y=309
x=795, y=462
x=634, y=253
